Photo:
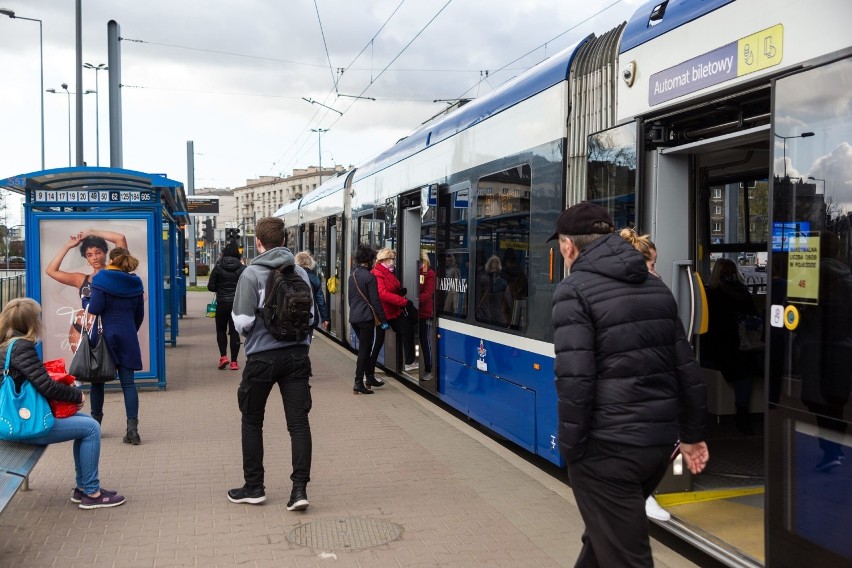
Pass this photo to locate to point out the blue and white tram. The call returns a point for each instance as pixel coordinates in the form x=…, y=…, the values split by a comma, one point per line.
x=720, y=127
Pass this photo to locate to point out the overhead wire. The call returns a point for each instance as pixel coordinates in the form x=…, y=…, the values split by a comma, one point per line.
x=325, y=44
x=575, y=26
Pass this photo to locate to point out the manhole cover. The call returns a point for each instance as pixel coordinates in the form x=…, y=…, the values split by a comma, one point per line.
x=344, y=534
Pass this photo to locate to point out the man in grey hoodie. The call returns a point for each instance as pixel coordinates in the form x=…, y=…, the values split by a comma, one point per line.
x=270, y=362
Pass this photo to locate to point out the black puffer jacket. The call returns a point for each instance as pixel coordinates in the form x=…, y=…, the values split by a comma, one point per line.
x=624, y=370
x=26, y=365
x=224, y=277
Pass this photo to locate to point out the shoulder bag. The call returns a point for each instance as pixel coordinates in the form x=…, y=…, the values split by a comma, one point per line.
x=92, y=363
x=24, y=414
x=376, y=319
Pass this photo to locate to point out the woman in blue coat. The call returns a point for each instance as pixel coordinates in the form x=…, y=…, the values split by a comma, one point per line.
x=117, y=296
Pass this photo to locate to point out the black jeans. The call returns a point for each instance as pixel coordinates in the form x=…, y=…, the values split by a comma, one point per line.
x=290, y=368
x=611, y=482
x=224, y=328
x=366, y=332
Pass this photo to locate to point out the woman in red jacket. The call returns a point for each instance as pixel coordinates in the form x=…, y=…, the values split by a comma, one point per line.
x=392, y=296
x=426, y=305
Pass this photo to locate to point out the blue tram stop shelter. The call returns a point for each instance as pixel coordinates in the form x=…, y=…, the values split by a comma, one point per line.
x=72, y=213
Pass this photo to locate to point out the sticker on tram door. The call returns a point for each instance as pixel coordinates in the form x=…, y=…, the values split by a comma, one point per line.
x=776, y=315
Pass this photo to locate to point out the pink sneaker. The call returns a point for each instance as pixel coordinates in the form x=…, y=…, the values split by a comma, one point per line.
x=223, y=361
x=234, y=366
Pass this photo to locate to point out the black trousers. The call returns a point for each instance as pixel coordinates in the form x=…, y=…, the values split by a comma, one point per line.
x=611, y=482
x=365, y=364
x=224, y=328
x=290, y=369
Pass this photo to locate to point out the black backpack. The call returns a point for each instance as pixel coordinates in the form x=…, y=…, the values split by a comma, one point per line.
x=287, y=304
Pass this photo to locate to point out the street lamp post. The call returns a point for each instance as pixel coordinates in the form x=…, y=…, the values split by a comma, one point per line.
x=319, y=132
x=69, y=93
x=11, y=14
x=784, y=141
x=819, y=179
x=99, y=67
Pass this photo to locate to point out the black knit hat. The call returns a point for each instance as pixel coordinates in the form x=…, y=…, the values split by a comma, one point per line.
x=580, y=219
x=232, y=249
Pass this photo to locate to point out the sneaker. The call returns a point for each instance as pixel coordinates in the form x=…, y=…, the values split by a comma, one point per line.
x=298, y=499
x=412, y=367
x=654, y=511
x=223, y=361
x=827, y=464
x=243, y=495
x=234, y=366
x=427, y=377
x=374, y=382
x=77, y=494
x=103, y=500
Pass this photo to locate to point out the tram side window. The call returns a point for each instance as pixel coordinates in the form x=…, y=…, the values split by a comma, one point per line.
x=453, y=271
x=611, y=173
x=502, y=248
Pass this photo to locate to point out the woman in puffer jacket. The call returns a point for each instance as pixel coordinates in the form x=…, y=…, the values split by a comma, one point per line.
x=223, y=281
x=20, y=330
x=398, y=308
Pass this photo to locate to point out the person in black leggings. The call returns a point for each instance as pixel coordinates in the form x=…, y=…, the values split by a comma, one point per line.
x=223, y=281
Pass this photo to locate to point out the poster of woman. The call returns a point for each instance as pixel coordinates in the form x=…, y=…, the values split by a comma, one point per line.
x=71, y=252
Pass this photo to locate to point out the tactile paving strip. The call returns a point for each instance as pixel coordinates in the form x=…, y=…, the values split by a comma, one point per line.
x=344, y=534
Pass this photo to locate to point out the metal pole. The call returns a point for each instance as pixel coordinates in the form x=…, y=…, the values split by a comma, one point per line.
x=97, y=121
x=41, y=90
x=319, y=132
x=79, y=27
x=65, y=86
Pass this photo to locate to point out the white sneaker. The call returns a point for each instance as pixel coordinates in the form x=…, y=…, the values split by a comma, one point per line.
x=412, y=367
x=654, y=511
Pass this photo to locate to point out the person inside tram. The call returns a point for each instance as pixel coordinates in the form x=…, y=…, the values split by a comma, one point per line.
x=93, y=248
x=425, y=305
x=490, y=293
x=825, y=342
x=646, y=246
x=452, y=275
x=517, y=289
x=729, y=304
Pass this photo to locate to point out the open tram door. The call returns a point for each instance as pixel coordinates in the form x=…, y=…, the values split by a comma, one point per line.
x=413, y=231
x=705, y=202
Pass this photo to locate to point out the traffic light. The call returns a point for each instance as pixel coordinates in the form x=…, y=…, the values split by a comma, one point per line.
x=208, y=230
x=232, y=234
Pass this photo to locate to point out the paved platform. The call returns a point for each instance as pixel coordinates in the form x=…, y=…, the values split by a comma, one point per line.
x=396, y=481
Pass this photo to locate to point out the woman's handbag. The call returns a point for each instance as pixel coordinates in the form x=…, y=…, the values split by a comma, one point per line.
x=750, y=331
x=211, y=308
x=25, y=414
x=92, y=363
x=376, y=321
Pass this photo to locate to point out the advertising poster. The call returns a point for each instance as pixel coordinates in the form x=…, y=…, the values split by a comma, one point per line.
x=71, y=251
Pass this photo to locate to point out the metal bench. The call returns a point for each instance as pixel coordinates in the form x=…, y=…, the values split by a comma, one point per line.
x=16, y=463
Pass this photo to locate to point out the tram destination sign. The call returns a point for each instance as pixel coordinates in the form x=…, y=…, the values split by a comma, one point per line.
x=202, y=205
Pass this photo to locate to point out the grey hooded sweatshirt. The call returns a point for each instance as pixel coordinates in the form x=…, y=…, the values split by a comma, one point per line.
x=249, y=296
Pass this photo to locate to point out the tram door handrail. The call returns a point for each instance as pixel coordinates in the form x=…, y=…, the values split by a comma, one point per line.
x=695, y=318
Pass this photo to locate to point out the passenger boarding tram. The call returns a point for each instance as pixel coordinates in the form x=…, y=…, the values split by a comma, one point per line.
x=723, y=129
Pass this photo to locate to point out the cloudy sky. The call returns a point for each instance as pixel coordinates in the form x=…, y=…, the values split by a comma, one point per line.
x=231, y=76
